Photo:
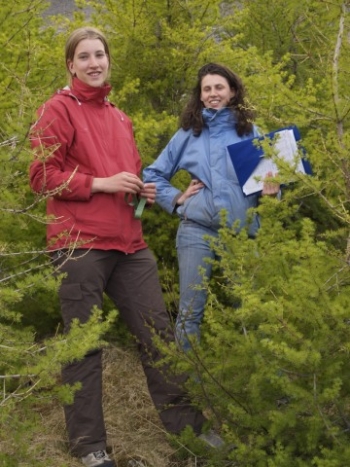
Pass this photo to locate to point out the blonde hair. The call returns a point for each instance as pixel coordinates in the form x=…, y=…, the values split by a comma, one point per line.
x=79, y=35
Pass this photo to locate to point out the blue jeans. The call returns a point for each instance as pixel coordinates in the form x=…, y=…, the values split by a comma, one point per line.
x=193, y=252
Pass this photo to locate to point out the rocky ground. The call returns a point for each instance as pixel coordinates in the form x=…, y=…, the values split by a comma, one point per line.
x=61, y=7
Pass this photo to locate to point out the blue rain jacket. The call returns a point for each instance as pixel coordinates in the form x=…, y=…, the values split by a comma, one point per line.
x=204, y=157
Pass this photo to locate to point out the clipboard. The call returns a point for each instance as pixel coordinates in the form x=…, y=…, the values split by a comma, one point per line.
x=248, y=158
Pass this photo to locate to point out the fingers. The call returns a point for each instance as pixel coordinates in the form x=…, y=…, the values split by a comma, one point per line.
x=133, y=180
x=149, y=188
x=194, y=187
x=128, y=182
x=270, y=188
x=195, y=182
x=149, y=192
x=125, y=182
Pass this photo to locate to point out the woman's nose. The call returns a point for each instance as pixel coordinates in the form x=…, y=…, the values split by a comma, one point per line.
x=93, y=62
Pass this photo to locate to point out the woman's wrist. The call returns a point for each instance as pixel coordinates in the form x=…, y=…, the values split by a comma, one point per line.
x=97, y=185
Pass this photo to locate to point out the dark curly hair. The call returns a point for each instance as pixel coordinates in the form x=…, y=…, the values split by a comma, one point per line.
x=191, y=117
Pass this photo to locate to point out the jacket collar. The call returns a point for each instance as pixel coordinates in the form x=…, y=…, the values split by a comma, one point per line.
x=85, y=93
x=223, y=114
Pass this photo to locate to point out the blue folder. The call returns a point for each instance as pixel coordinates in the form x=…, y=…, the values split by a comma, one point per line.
x=246, y=154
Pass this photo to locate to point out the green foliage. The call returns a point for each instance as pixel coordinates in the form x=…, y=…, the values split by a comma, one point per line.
x=272, y=364
x=164, y=40
x=271, y=369
x=27, y=64
x=29, y=366
x=290, y=28
x=29, y=376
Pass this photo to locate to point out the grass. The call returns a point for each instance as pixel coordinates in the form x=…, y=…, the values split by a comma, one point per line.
x=134, y=430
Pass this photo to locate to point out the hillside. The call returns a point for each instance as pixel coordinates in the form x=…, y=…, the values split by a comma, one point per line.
x=62, y=7
x=133, y=427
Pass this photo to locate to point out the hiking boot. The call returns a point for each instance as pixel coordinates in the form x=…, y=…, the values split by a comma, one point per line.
x=212, y=439
x=98, y=459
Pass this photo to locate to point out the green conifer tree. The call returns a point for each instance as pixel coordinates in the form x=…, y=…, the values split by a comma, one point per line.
x=272, y=365
x=29, y=366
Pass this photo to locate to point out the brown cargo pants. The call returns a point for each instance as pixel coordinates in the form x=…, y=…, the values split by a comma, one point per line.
x=132, y=283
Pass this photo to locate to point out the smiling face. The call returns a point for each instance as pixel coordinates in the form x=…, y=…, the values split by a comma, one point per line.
x=90, y=62
x=215, y=91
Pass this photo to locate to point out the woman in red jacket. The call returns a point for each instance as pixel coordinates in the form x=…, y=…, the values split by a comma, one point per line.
x=88, y=162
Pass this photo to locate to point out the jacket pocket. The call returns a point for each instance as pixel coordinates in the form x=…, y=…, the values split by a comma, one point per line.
x=199, y=208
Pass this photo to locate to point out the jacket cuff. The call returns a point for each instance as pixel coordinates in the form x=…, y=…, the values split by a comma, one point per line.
x=174, y=202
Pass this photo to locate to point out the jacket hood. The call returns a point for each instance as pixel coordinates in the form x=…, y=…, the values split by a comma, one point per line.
x=224, y=114
x=82, y=92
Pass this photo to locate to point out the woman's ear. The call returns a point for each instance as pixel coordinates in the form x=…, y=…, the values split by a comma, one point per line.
x=70, y=67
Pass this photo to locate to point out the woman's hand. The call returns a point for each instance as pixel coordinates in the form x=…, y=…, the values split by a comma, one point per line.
x=192, y=189
x=270, y=187
x=125, y=182
x=149, y=192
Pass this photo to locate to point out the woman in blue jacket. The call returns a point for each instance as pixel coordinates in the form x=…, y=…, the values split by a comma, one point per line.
x=216, y=116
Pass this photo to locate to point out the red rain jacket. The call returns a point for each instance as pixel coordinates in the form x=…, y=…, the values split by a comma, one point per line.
x=83, y=136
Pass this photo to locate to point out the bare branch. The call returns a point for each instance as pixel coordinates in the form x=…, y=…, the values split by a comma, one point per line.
x=335, y=77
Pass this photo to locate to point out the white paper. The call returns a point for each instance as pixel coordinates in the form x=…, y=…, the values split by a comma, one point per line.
x=287, y=149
